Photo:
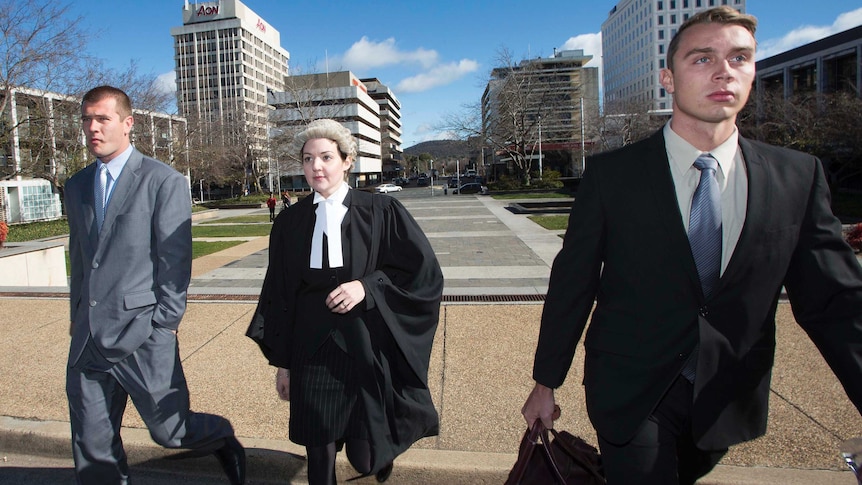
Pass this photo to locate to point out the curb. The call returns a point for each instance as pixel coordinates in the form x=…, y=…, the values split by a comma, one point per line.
x=266, y=459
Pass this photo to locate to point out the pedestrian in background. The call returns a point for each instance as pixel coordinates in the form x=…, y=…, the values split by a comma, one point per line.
x=683, y=242
x=270, y=203
x=348, y=309
x=130, y=248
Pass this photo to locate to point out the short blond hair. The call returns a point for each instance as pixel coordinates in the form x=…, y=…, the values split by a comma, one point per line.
x=331, y=130
x=719, y=15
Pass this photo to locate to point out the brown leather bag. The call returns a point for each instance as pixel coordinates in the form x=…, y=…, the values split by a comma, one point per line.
x=567, y=460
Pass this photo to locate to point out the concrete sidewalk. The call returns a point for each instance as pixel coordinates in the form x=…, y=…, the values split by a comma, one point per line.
x=479, y=377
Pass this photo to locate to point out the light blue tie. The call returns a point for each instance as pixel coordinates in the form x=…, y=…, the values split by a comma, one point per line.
x=704, y=224
x=704, y=237
x=101, y=188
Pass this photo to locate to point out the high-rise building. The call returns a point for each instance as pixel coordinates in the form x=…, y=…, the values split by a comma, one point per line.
x=391, y=153
x=227, y=59
x=635, y=38
x=340, y=96
x=545, y=103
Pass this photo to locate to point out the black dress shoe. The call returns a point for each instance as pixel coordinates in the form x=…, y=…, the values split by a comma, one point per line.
x=383, y=474
x=231, y=456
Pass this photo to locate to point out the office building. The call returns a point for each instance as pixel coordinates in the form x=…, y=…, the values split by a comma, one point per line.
x=340, y=96
x=45, y=146
x=227, y=58
x=635, y=37
x=548, y=102
x=391, y=153
x=824, y=66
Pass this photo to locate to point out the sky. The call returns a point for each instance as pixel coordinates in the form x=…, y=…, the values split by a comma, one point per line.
x=436, y=56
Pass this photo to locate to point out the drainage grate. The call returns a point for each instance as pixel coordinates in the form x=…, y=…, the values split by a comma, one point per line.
x=225, y=297
x=490, y=298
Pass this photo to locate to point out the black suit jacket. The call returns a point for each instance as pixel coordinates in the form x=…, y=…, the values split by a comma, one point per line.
x=626, y=250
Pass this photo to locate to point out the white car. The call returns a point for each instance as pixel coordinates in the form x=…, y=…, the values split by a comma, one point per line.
x=386, y=188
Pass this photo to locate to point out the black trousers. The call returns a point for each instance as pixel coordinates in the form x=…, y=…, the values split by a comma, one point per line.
x=663, y=451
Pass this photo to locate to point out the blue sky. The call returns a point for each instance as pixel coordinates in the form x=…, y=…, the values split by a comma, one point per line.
x=435, y=55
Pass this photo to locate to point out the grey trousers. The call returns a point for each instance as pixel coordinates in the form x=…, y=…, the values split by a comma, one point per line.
x=153, y=377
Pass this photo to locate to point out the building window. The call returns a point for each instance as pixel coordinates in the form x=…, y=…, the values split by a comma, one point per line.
x=684, y=3
x=672, y=4
x=661, y=63
x=660, y=5
x=661, y=93
x=661, y=34
x=673, y=19
x=661, y=48
x=661, y=19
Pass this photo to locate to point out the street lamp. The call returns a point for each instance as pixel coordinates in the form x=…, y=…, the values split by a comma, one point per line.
x=540, y=147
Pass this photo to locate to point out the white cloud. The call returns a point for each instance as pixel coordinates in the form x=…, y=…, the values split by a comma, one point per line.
x=808, y=33
x=591, y=45
x=365, y=54
x=439, y=75
x=166, y=82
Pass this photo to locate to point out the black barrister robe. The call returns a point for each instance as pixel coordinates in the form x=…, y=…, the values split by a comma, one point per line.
x=403, y=282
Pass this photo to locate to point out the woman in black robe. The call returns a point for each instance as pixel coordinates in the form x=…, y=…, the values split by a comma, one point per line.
x=347, y=313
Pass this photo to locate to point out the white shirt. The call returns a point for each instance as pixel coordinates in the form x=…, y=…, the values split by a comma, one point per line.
x=732, y=183
x=330, y=213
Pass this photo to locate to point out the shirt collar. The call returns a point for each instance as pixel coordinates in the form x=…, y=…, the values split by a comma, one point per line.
x=116, y=165
x=337, y=197
x=682, y=154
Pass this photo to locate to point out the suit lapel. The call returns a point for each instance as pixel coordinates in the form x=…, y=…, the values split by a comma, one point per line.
x=756, y=210
x=667, y=207
x=89, y=213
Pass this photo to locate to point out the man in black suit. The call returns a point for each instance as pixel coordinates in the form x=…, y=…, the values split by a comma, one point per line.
x=678, y=362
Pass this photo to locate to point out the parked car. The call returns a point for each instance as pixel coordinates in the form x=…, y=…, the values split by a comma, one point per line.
x=471, y=188
x=386, y=188
x=422, y=181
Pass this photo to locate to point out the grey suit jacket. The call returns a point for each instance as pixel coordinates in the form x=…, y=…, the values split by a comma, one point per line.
x=134, y=274
x=627, y=252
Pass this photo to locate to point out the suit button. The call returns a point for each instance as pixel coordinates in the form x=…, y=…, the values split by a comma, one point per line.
x=681, y=356
x=93, y=303
x=95, y=264
x=704, y=311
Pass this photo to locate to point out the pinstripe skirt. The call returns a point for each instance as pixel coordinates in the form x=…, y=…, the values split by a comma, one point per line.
x=324, y=398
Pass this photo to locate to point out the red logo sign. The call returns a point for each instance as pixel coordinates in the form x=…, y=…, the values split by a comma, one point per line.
x=261, y=25
x=204, y=10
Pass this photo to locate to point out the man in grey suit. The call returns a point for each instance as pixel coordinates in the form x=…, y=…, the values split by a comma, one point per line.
x=130, y=250
x=681, y=343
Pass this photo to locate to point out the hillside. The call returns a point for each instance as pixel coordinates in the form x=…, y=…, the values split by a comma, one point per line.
x=442, y=149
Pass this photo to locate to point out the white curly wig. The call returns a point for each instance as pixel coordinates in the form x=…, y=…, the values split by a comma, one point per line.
x=331, y=130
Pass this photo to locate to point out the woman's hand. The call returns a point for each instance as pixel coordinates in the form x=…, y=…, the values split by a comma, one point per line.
x=282, y=383
x=345, y=296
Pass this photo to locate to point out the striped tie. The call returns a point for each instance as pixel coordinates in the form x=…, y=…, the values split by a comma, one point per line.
x=704, y=229
x=100, y=195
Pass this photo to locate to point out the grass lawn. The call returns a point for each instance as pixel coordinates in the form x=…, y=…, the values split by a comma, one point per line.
x=249, y=219
x=203, y=248
x=233, y=230
x=553, y=222
x=532, y=195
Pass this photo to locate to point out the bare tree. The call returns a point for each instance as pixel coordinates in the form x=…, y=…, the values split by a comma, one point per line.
x=825, y=125
x=522, y=98
x=624, y=123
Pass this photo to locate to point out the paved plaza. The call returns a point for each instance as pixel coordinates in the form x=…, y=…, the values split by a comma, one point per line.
x=496, y=266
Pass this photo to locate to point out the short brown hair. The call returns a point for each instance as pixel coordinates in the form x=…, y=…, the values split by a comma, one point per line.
x=720, y=15
x=124, y=104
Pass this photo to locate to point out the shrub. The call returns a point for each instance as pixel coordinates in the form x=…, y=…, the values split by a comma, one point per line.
x=854, y=237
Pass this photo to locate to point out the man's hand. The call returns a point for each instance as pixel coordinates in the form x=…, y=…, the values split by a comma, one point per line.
x=346, y=296
x=540, y=405
x=282, y=383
